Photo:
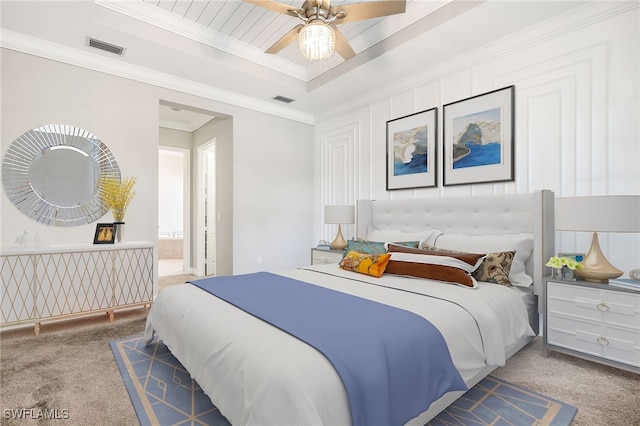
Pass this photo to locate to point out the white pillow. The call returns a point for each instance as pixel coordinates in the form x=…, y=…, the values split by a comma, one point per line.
x=427, y=236
x=522, y=244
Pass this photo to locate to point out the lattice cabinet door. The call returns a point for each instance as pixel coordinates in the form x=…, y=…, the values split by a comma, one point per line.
x=132, y=269
x=71, y=283
x=18, y=288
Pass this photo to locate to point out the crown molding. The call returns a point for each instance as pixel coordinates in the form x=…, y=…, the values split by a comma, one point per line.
x=185, y=127
x=161, y=18
x=167, y=124
x=56, y=52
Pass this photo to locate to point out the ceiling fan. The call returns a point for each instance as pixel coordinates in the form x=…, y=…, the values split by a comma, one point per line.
x=318, y=34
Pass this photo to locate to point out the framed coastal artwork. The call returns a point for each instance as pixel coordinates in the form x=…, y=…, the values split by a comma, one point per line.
x=411, y=150
x=478, y=138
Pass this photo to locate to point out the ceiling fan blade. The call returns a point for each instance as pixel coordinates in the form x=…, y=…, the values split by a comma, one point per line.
x=287, y=9
x=285, y=40
x=361, y=11
x=342, y=45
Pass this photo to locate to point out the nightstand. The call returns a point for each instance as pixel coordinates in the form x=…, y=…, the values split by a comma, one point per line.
x=593, y=321
x=320, y=257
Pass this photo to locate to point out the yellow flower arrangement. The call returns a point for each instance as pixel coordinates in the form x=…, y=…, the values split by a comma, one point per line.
x=116, y=194
x=558, y=262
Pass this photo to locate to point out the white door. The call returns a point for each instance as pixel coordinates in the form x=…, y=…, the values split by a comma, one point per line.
x=210, y=211
x=206, y=208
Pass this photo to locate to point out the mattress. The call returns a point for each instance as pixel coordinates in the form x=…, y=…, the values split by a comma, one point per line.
x=257, y=374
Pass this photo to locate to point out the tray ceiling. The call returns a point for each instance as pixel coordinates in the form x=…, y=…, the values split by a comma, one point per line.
x=215, y=48
x=242, y=27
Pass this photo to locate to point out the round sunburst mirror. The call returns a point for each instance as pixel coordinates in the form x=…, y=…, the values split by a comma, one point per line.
x=51, y=174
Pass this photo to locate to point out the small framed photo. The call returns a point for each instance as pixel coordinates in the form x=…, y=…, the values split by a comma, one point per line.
x=411, y=150
x=105, y=233
x=578, y=257
x=478, y=138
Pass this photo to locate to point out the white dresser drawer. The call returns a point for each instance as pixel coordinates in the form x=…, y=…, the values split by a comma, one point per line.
x=610, y=307
x=321, y=257
x=595, y=338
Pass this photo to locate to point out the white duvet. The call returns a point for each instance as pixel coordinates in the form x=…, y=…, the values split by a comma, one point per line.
x=257, y=374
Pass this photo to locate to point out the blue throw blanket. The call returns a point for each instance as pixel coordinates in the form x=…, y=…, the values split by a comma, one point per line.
x=393, y=363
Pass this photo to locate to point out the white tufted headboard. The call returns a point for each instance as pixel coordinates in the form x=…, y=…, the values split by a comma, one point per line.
x=476, y=215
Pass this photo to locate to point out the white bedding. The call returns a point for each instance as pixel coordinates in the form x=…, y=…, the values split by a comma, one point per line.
x=257, y=374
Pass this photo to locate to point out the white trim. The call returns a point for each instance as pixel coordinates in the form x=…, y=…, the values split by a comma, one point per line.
x=57, y=52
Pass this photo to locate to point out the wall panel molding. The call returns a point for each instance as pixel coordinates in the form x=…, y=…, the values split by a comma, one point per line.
x=577, y=108
x=339, y=173
x=565, y=25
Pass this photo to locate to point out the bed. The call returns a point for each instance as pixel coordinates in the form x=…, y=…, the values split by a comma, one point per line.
x=256, y=373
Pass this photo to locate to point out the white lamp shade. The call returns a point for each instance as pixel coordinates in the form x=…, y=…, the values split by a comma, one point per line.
x=610, y=213
x=339, y=214
x=317, y=40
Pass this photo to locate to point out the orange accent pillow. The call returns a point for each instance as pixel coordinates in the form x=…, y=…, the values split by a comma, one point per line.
x=369, y=264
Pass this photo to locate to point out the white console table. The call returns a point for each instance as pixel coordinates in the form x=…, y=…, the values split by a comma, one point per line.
x=41, y=284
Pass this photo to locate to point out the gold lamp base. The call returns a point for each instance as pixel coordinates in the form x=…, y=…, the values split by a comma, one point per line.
x=597, y=268
x=339, y=243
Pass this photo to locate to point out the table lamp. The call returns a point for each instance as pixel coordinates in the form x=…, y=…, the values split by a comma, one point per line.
x=339, y=215
x=609, y=213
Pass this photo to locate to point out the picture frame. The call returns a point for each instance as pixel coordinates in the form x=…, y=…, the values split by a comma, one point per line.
x=575, y=256
x=105, y=233
x=478, y=138
x=412, y=150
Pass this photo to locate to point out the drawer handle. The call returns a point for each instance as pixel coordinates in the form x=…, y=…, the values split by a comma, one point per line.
x=602, y=307
x=602, y=341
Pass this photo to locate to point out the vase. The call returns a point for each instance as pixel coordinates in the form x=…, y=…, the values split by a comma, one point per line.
x=119, y=228
x=567, y=274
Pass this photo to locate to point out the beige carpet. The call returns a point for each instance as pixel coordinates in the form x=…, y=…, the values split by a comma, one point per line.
x=70, y=366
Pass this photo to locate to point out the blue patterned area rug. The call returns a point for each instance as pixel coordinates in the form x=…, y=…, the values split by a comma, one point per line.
x=163, y=393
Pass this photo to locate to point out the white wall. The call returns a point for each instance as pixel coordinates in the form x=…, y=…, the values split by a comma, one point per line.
x=269, y=214
x=576, y=109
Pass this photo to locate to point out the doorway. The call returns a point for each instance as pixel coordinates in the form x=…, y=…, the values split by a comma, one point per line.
x=207, y=213
x=173, y=214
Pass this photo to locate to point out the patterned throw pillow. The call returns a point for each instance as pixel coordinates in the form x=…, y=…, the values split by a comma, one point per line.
x=374, y=247
x=494, y=268
x=370, y=264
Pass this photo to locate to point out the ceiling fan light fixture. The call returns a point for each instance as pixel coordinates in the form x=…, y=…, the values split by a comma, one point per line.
x=317, y=40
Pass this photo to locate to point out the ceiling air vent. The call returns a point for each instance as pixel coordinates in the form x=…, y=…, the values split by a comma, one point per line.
x=107, y=47
x=283, y=99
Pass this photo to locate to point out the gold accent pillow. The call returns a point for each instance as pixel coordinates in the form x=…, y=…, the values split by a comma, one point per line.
x=364, y=263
